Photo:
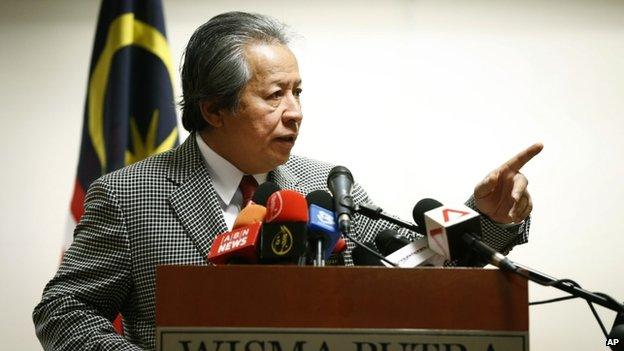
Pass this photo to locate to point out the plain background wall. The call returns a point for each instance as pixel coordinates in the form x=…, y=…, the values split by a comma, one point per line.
x=418, y=98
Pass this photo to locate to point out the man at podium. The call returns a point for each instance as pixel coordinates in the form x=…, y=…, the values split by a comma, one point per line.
x=241, y=91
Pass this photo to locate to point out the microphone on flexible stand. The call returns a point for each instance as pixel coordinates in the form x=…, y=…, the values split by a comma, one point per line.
x=340, y=183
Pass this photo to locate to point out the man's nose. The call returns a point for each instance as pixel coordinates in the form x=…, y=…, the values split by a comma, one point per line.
x=292, y=112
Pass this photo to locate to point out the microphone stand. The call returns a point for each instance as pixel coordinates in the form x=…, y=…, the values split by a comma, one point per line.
x=569, y=287
x=504, y=263
x=376, y=212
x=572, y=288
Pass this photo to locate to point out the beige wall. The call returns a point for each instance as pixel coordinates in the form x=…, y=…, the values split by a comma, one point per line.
x=447, y=90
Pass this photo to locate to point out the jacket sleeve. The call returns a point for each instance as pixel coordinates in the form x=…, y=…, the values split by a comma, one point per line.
x=500, y=237
x=91, y=284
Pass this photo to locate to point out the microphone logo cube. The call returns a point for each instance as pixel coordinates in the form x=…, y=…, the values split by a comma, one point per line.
x=240, y=242
x=233, y=240
x=320, y=217
x=282, y=242
x=446, y=224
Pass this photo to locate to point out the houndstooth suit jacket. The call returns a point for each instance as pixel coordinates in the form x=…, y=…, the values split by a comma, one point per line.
x=161, y=211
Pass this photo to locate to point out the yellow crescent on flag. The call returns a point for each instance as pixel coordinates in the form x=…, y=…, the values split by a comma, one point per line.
x=124, y=31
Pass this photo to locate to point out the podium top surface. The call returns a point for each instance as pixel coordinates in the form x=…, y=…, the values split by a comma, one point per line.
x=340, y=297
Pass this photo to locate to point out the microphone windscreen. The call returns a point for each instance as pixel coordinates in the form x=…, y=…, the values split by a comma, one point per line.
x=338, y=171
x=252, y=213
x=322, y=199
x=263, y=191
x=389, y=241
x=286, y=206
x=362, y=257
x=420, y=208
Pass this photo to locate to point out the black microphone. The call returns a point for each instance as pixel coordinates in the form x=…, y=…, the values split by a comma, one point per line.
x=389, y=241
x=262, y=193
x=419, y=210
x=340, y=183
x=321, y=198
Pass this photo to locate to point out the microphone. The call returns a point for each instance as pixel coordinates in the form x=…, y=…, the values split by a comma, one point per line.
x=252, y=213
x=240, y=245
x=402, y=251
x=340, y=183
x=286, y=206
x=455, y=233
x=263, y=191
x=389, y=241
x=322, y=229
x=251, y=241
x=283, y=238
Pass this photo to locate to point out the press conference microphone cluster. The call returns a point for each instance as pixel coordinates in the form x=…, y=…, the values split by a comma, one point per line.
x=276, y=228
x=270, y=230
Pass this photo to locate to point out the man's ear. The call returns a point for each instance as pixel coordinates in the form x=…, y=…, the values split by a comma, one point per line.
x=212, y=116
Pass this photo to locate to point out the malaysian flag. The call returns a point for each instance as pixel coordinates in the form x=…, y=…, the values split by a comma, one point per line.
x=129, y=109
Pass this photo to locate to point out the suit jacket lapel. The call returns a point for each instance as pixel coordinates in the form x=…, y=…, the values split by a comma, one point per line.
x=195, y=201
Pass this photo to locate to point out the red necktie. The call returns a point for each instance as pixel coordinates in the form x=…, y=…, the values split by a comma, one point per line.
x=247, y=187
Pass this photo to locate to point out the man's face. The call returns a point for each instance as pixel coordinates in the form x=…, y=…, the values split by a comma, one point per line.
x=263, y=130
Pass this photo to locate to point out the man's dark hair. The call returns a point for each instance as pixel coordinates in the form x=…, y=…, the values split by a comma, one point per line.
x=215, y=68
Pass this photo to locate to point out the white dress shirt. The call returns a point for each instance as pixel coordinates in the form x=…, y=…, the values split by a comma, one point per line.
x=225, y=178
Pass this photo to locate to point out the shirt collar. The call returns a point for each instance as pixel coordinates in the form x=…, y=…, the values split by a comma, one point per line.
x=225, y=176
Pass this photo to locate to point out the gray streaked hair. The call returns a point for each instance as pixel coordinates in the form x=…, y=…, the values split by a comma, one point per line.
x=215, y=68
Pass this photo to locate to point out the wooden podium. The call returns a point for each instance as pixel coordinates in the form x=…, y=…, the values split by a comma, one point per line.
x=356, y=308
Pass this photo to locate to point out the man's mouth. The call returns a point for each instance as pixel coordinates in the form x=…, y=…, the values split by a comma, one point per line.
x=287, y=138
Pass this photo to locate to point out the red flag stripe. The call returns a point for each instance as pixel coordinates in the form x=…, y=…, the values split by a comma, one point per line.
x=77, y=202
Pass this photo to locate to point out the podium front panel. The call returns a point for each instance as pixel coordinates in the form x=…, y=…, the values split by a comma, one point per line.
x=340, y=297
